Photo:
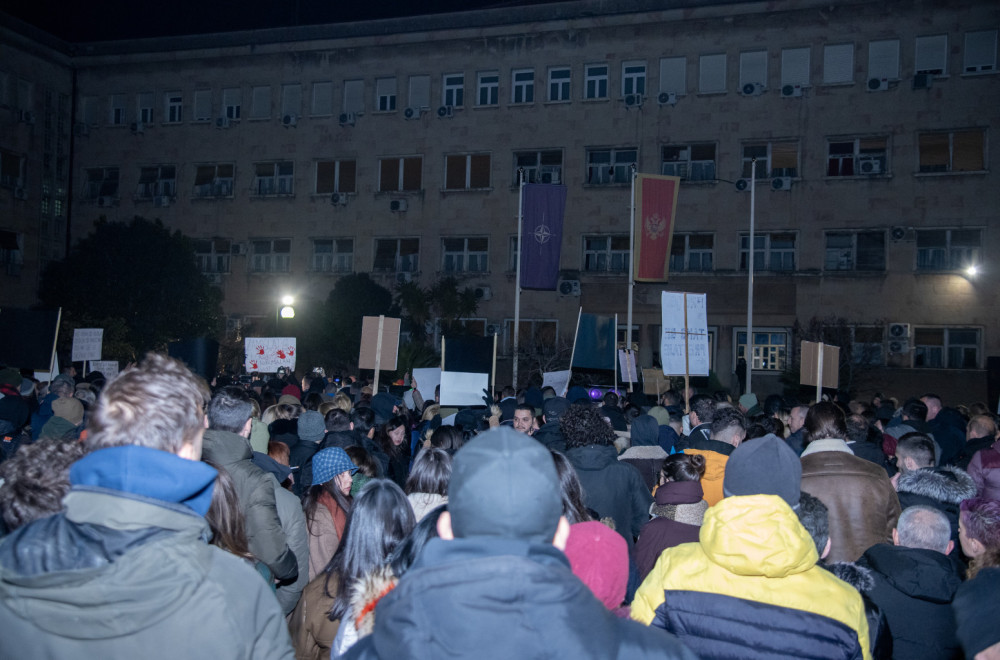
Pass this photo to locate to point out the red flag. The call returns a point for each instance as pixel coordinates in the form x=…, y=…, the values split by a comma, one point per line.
x=656, y=203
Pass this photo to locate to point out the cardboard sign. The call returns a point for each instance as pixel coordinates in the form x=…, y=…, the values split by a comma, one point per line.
x=87, y=344
x=684, y=344
x=654, y=382
x=370, y=343
x=266, y=354
x=626, y=366
x=810, y=364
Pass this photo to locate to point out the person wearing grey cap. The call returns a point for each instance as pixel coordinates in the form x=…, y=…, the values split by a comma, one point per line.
x=496, y=584
x=62, y=386
x=753, y=574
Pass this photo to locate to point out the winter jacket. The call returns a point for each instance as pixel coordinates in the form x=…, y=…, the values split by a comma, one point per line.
x=613, y=489
x=941, y=488
x=498, y=599
x=293, y=523
x=550, y=435
x=915, y=587
x=679, y=509
x=859, y=577
x=716, y=456
x=42, y=415
x=323, y=539
x=424, y=503
x=312, y=630
x=255, y=490
x=948, y=430
x=125, y=571
x=750, y=588
x=975, y=612
x=862, y=503
x=647, y=460
x=984, y=468
x=971, y=447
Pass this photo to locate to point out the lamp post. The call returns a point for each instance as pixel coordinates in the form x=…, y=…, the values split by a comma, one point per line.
x=284, y=311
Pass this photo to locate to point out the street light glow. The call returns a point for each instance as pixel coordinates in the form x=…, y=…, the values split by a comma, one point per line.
x=288, y=300
x=972, y=270
x=287, y=312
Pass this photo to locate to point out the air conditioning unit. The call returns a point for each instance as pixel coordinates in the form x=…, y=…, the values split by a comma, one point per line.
x=878, y=84
x=633, y=100
x=137, y=128
x=667, y=98
x=234, y=324
x=106, y=201
x=483, y=293
x=26, y=116
x=412, y=112
x=781, y=183
x=80, y=129
x=743, y=184
x=222, y=122
x=214, y=278
x=338, y=199
x=161, y=201
x=791, y=91
x=898, y=346
x=901, y=233
x=569, y=287
x=753, y=89
x=289, y=120
x=404, y=278
x=869, y=166
x=20, y=193
x=493, y=329
x=923, y=80
x=549, y=175
x=238, y=249
x=446, y=112
x=899, y=331
x=398, y=205
x=348, y=118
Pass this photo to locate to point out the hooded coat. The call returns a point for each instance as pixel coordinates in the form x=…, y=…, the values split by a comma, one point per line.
x=716, y=456
x=941, y=488
x=125, y=571
x=679, y=510
x=984, y=468
x=645, y=452
x=613, y=489
x=750, y=588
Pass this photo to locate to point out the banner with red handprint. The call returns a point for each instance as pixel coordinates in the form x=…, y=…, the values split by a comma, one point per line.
x=266, y=354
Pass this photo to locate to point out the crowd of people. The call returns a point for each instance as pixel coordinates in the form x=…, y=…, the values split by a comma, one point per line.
x=152, y=515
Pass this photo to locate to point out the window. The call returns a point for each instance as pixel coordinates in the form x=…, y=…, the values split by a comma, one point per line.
x=691, y=162
x=712, y=73
x=232, y=100
x=536, y=335
x=453, y=89
x=769, y=349
x=144, y=107
x=753, y=68
x=595, y=81
x=11, y=254
x=89, y=110
x=101, y=182
x=396, y=255
x=512, y=254
x=946, y=348
x=868, y=345
x=772, y=251
x=673, y=75
x=774, y=159
x=270, y=255
x=958, y=151
x=465, y=255
x=157, y=181
x=559, y=80
x=215, y=180
x=400, y=174
x=385, y=94
x=261, y=102
x=322, y=99
x=691, y=252
x=539, y=166
x=274, y=178
x=291, y=99
x=118, y=114
x=336, y=176
x=467, y=172
x=212, y=255
x=333, y=255
x=795, y=66
x=522, y=86
x=838, y=63
x=633, y=78
x=980, y=52
x=603, y=254
x=948, y=249
x=931, y=55
x=883, y=59
x=857, y=157
x=855, y=251
x=609, y=166
x=488, y=85
x=203, y=105
x=11, y=169
x=420, y=91
x=354, y=96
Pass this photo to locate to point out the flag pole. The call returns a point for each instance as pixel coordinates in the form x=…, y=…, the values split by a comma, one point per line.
x=572, y=354
x=614, y=347
x=631, y=262
x=517, y=275
x=749, y=344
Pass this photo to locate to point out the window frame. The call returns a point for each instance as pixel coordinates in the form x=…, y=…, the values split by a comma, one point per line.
x=108, y=185
x=853, y=251
x=709, y=73
x=933, y=168
x=614, y=257
x=945, y=359
x=686, y=253
x=163, y=185
x=617, y=172
x=454, y=89
x=386, y=92
x=683, y=166
x=400, y=262
x=282, y=181
x=522, y=86
x=634, y=74
x=220, y=186
x=340, y=173
x=770, y=172
x=850, y=165
x=465, y=260
x=337, y=260
x=533, y=173
x=404, y=169
x=769, y=250
x=471, y=167
x=218, y=259
x=987, y=65
x=950, y=256
x=534, y=339
x=596, y=84
x=487, y=89
x=778, y=352
x=560, y=89
x=232, y=103
x=277, y=258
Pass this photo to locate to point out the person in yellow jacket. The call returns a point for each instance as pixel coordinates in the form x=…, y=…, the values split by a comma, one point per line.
x=728, y=430
x=751, y=587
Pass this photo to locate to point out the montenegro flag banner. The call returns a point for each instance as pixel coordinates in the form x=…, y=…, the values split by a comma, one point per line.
x=655, y=206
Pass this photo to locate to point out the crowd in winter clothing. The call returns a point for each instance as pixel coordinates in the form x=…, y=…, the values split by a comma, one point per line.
x=154, y=516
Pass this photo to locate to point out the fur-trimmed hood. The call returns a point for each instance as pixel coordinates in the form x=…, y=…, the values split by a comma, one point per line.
x=945, y=484
x=366, y=594
x=857, y=576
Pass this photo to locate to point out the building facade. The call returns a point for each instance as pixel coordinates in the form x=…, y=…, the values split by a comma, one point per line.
x=394, y=147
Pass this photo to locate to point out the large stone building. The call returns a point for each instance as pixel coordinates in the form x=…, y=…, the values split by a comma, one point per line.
x=392, y=148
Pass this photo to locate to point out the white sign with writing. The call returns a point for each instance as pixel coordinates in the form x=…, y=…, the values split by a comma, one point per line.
x=266, y=354
x=87, y=344
x=107, y=367
x=684, y=344
x=559, y=380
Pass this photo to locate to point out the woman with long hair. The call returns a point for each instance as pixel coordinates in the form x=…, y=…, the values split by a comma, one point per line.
x=393, y=438
x=327, y=504
x=427, y=485
x=225, y=519
x=572, y=492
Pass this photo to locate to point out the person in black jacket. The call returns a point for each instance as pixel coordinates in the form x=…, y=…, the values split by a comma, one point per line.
x=496, y=584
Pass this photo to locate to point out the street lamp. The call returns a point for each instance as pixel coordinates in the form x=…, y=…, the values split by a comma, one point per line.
x=287, y=311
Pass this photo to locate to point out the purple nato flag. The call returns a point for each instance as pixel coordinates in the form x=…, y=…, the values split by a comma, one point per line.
x=544, y=205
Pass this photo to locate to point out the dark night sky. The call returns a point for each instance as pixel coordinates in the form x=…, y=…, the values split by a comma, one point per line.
x=99, y=20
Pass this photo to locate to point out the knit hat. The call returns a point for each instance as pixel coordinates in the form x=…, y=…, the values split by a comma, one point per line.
x=748, y=400
x=578, y=393
x=311, y=426
x=598, y=556
x=69, y=409
x=329, y=462
x=554, y=408
x=292, y=390
x=660, y=414
x=289, y=399
x=11, y=377
x=504, y=484
x=63, y=378
x=764, y=466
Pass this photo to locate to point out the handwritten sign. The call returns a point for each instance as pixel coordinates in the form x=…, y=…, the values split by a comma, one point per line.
x=87, y=344
x=107, y=367
x=266, y=354
x=684, y=344
x=559, y=380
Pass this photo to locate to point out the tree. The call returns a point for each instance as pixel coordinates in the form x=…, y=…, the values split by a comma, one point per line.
x=137, y=273
x=443, y=301
x=352, y=298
